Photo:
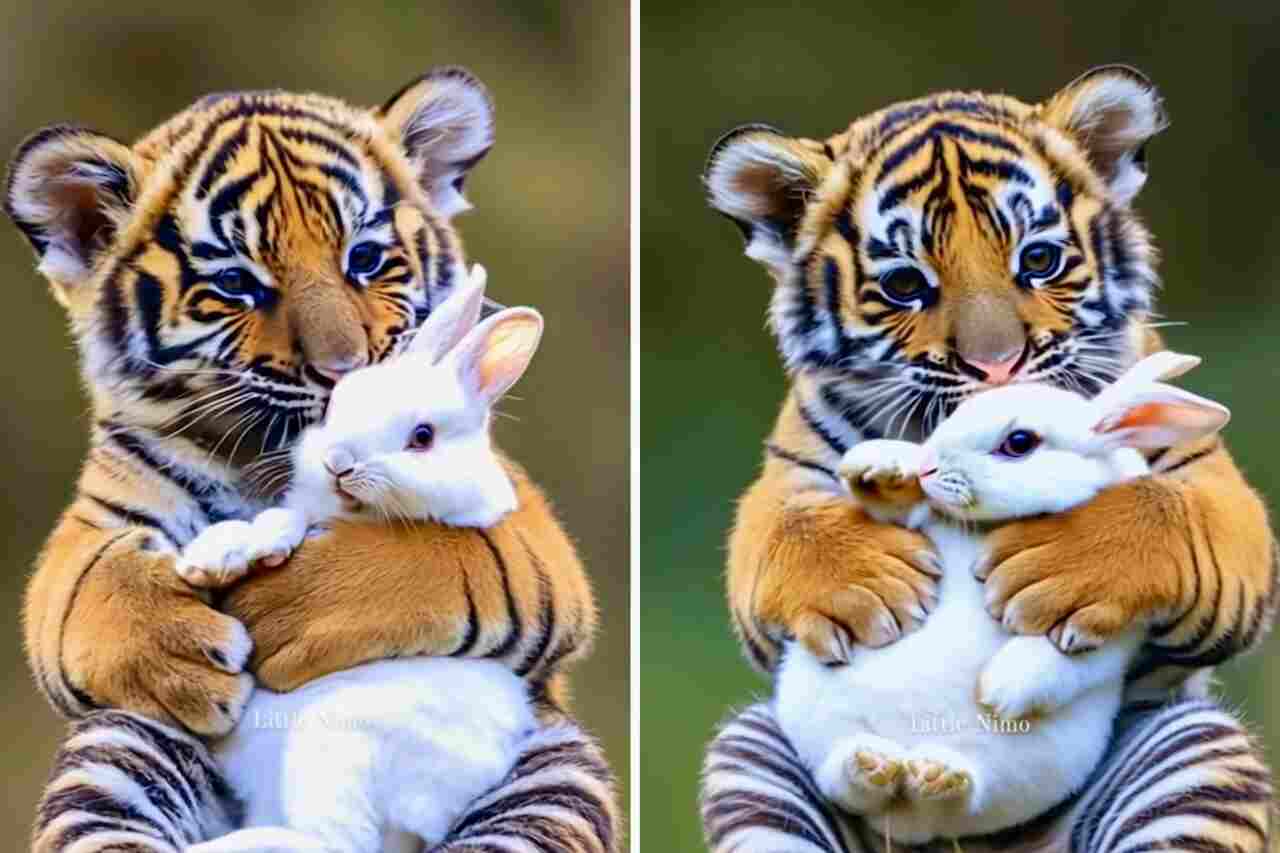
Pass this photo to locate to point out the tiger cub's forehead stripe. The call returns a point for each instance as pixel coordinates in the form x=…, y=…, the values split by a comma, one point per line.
x=293, y=193
x=261, y=166
x=220, y=159
x=247, y=106
x=990, y=136
x=318, y=140
x=958, y=171
x=896, y=119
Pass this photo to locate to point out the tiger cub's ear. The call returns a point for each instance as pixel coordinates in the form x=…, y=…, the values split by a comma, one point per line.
x=1111, y=112
x=762, y=179
x=69, y=190
x=444, y=121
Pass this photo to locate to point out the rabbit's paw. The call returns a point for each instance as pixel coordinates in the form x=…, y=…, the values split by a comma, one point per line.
x=881, y=463
x=861, y=774
x=883, y=475
x=933, y=773
x=1019, y=681
x=219, y=556
x=276, y=533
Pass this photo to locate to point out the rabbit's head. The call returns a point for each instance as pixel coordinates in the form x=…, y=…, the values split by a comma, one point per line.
x=1031, y=449
x=409, y=437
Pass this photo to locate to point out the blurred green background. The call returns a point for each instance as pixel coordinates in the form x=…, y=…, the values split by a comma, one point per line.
x=551, y=224
x=711, y=380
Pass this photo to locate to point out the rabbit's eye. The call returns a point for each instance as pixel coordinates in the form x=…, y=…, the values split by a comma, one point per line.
x=421, y=437
x=1018, y=443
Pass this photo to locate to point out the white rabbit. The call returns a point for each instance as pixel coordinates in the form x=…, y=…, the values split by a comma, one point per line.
x=387, y=754
x=404, y=439
x=960, y=728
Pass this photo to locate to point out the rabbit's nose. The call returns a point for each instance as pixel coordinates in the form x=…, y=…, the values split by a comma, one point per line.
x=339, y=461
x=928, y=464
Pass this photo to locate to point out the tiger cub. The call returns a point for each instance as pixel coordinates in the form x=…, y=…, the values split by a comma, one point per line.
x=934, y=249
x=220, y=275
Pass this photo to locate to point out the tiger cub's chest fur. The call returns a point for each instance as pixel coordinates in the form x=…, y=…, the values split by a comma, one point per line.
x=171, y=486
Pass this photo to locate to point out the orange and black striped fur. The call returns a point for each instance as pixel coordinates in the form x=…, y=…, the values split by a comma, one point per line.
x=931, y=250
x=219, y=275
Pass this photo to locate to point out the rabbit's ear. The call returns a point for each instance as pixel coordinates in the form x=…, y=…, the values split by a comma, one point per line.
x=452, y=319
x=1158, y=415
x=1157, y=366
x=496, y=353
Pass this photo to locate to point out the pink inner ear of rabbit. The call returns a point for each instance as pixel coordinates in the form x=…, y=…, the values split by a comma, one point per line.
x=1148, y=414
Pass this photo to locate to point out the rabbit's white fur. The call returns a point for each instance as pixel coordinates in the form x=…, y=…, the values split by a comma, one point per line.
x=379, y=757
x=960, y=728
x=387, y=753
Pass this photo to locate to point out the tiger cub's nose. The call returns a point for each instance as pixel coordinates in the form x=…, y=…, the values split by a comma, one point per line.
x=1001, y=369
x=336, y=369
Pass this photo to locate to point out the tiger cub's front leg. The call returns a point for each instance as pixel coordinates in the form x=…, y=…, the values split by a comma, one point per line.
x=1188, y=550
x=809, y=563
x=109, y=623
x=365, y=591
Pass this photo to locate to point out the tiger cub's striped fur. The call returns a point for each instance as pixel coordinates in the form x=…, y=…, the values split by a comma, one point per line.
x=219, y=275
x=1183, y=777
x=931, y=250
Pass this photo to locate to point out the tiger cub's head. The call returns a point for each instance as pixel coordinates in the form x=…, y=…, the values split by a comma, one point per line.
x=956, y=242
x=221, y=273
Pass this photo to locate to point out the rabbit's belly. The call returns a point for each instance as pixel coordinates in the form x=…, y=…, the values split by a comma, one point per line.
x=932, y=671
x=918, y=688
x=398, y=744
x=920, y=694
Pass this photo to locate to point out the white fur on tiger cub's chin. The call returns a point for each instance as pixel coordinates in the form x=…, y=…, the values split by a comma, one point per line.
x=372, y=758
x=1019, y=725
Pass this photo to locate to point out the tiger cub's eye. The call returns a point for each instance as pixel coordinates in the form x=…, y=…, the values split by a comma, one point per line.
x=904, y=285
x=1040, y=260
x=235, y=281
x=364, y=258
